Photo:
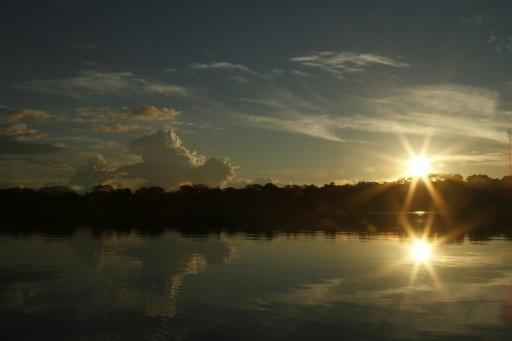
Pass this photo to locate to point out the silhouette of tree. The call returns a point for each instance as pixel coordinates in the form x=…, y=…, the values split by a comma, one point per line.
x=257, y=205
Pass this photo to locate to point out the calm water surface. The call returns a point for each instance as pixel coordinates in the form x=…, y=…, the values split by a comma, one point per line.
x=245, y=287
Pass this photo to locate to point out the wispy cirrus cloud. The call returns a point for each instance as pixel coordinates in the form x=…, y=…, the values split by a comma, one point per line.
x=222, y=66
x=445, y=110
x=339, y=63
x=96, y=83
x=448, y=110
x=310, y=125
x=490, y=158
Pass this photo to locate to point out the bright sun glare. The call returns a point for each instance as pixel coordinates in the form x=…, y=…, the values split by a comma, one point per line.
x=421, y=251
x=419, y=166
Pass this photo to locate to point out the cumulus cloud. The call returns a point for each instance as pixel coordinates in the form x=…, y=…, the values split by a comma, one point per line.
x=221, y=66
x=102, y=84
x=95, y=172
x=27, y=114
x=342, y=62
x=167, y=163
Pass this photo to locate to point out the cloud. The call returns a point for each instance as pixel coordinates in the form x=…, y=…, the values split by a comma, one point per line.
x=167, y=163
x=312, y=125
x=47, y=163
x=95, y=172
x=449, y=110
x=109, y=115
x=20, y=132
x=475, y=19
x=14, y=140
x=239, y=79
x=9, y=146
x=502, y=43
x=102, y=84
x=221, y=66
x=164, y=89
x=300, y=73
x=490, y=158
x=339, y=63
x=27, y=114
x=117, y=128
x=152, y=113
x=446, y=110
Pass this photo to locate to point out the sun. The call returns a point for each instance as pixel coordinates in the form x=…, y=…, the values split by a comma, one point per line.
x=421, y=251
x=419, y=166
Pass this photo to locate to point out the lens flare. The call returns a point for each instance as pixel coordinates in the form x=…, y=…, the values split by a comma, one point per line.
x=419, y=166
x=421, y=251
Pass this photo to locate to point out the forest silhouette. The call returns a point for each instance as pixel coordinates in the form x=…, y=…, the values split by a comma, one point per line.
x=477, y=203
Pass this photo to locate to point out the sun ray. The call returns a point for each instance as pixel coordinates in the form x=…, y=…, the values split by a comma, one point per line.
x=426, y=144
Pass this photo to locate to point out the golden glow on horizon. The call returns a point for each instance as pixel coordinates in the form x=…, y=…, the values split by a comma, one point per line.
x=419, y=166
x=421, y=251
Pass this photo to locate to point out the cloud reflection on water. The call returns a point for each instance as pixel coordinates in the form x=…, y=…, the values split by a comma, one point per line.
x=285, y=287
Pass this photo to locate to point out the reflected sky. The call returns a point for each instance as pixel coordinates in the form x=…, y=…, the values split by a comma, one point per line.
x=129, y=286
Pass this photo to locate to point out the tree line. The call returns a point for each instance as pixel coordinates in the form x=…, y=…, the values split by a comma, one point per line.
x=200, y=205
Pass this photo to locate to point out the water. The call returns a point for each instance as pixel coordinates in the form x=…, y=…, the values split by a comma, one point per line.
x=127, y=286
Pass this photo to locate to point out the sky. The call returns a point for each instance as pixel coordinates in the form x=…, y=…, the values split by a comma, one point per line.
x=229, y=93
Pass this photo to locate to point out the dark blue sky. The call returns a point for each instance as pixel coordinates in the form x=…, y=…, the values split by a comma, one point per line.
x=307, y=92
